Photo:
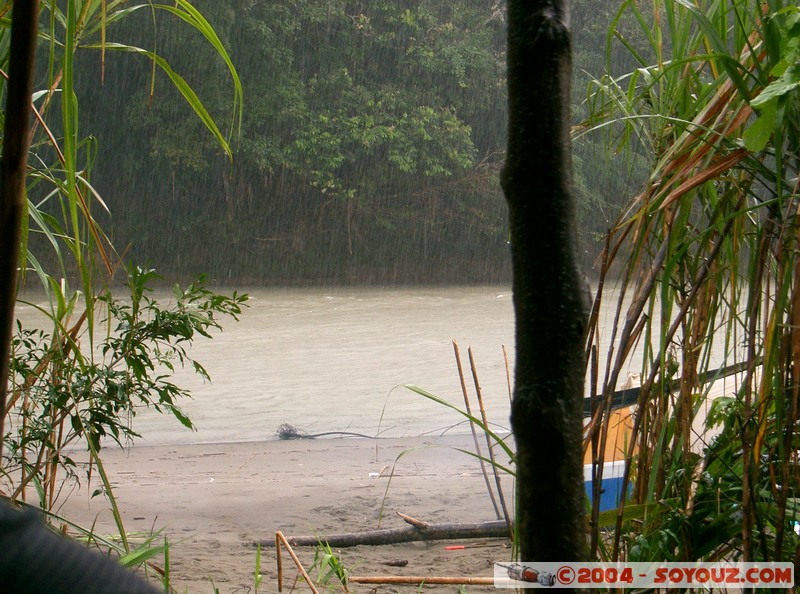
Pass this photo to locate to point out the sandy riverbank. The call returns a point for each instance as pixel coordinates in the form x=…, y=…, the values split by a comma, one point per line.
x=213, y=501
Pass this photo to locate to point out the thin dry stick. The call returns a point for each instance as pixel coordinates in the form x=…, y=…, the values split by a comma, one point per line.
x=508, y=375
x=420, y=579
x=592, y=438
x=280, y=539
x=279, y=561
x=23, y=451
x=414, y=521
x=592, y=326
x=478, y=392
x=474, y=433
x=628, y=334
x=701, y=278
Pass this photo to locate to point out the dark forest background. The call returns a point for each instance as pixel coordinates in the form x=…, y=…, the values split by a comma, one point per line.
x=369, y=149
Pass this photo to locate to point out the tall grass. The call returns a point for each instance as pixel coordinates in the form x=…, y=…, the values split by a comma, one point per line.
x=705, y=260
x=68, y=386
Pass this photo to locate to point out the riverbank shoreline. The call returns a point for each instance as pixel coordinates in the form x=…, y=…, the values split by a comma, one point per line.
x=214, y=501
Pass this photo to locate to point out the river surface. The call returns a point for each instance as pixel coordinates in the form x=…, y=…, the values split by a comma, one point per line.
x=337, y=359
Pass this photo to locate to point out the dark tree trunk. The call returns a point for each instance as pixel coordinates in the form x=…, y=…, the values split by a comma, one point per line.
x=12, y=173
x=549, y=302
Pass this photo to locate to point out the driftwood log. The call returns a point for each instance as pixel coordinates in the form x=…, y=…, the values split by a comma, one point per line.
x=416, y=531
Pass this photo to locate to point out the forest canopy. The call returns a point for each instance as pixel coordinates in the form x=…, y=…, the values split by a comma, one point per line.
x=368, y=150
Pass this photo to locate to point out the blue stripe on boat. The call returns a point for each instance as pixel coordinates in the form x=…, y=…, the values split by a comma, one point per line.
x=611, y=486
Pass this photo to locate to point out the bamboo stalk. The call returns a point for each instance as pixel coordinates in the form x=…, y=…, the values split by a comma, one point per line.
x=682, y=210
x=612, y=374
x=485, y=420
x=280, y=540
x=474, y=433
x=592, y=440
x=279, y=560
x=508, y=375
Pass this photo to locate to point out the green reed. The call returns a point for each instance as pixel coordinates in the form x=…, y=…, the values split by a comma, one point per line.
x=68, y=386
x=705, y=261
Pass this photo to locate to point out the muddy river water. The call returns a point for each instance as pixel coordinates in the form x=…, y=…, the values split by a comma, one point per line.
x=337, y=359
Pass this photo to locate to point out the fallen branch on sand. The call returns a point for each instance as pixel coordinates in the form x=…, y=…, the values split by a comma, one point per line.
x=416, y=531
x=281, y=542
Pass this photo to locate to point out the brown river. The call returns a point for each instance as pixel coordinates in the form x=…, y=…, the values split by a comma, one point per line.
x=336, y=360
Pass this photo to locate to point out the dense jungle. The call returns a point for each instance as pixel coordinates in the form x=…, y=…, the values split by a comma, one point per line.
x=368, y=149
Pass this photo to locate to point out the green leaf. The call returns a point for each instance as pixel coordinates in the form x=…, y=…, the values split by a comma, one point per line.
x=787, y=83
x=185, y=421
x=476, y=421
x=141, y=554
x=757, y=135
x=184, y=89
x=721, y=52
x=630, y=512
x=184, y=10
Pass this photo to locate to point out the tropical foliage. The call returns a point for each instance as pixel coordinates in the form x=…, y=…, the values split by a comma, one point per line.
x=369, y=147
x=67, y=386
x=707, y=261
x=63, y=396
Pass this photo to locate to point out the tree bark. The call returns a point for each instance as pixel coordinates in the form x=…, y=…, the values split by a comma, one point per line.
x=12, y=173
x=549, y=304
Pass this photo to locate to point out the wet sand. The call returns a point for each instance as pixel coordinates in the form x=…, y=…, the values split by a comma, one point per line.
x=214, y=501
